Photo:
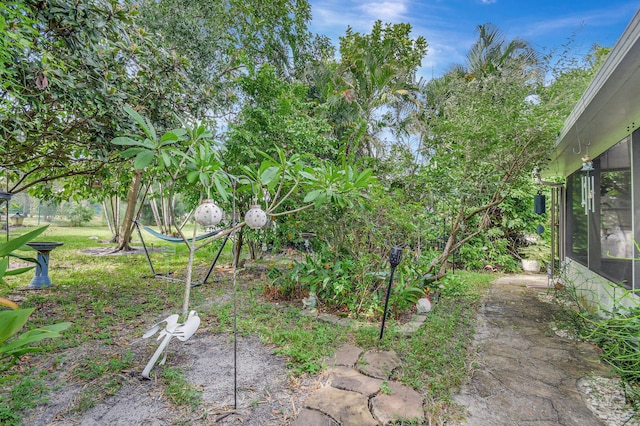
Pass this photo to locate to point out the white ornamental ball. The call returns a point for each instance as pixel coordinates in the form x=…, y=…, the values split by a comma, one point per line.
x=424, y=305
x=208, y=214
x=255, y=218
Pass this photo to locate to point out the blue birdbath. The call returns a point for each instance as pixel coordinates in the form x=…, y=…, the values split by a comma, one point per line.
x=41, y=279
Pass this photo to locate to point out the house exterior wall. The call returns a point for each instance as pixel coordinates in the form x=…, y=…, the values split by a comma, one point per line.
x=600, y=206
x=595, y=293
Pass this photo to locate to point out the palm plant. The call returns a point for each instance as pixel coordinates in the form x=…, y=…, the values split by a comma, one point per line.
x=492, y=52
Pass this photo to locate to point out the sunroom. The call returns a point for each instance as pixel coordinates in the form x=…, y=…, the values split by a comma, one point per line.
x=597, y=210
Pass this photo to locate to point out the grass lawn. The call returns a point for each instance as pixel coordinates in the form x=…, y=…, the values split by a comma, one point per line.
x=112, y=300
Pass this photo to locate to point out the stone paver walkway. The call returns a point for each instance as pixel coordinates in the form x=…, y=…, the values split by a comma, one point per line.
x=359, y=392
x=526, y=375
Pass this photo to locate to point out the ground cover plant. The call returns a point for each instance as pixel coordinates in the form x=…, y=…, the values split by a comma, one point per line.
x=614, y=331
x=112, y=300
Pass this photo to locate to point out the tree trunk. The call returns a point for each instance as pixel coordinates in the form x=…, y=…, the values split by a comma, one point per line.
x=154, y=209
x=108, y=215
x=129, y=215
x=238, y=248
x=115, y=205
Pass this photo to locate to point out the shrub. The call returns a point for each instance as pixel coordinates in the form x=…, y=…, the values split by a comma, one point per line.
x=77, y=214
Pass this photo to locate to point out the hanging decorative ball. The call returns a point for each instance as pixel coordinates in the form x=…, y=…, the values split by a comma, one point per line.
x=255, y=218
x=208, y=213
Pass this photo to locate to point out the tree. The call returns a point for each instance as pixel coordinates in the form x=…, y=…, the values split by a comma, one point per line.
x=491, y=53
x=373, y=81
x=276, y=115
x=70, y=69
x=216, y=47
x=220, y=39
x=187, y=158
x=486, y=134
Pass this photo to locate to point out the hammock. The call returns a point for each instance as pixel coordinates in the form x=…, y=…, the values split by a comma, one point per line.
x=172, y=239
x=179, y=240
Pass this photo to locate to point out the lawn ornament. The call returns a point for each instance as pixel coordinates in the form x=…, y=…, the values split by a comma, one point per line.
x=424, y=305
x=208, y=214
x=255, y=217
x=172, y=329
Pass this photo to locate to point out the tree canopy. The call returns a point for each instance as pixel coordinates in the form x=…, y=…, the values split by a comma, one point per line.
x=260, y=83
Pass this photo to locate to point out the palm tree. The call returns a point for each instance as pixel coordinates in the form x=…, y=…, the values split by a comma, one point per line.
x=371, y=85
x=491, y=53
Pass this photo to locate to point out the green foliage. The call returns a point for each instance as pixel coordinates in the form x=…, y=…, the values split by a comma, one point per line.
x=456, y=286
x=179, y=389
x=371, y=88
x=355, y=288
x=277, y=114
x=304, y=341
x=540, y=251
x=491, y=248
x=221, y=44
x=616, y=333
x=11, y=349
x=9, y=249
x=77, y=213
x=75, y=59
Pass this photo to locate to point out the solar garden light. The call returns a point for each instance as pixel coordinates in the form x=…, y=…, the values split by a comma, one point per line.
x=395, y=255
x=208, y=214
x=255, y=218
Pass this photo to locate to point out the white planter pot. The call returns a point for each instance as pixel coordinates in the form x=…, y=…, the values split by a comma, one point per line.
x=530, y=265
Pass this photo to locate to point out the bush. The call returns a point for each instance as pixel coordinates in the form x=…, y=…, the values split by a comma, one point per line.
x=77, y=214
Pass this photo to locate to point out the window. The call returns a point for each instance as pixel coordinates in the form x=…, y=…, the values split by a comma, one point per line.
x=599, y=215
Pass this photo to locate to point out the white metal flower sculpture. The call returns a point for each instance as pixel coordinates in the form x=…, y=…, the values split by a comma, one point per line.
x=173, y=329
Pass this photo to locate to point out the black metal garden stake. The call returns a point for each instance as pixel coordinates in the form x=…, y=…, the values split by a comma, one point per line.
x=394, y=259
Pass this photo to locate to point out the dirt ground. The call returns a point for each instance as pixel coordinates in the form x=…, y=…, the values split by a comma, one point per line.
x=265, y=394
x=252, y=388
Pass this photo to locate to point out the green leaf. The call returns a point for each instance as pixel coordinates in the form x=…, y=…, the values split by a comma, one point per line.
x=18, y=242
x=169, y=138
x=127, y=141
x=204, y=179
x=312, y=196
x=320, y=199
x=308, y=175
x=12, y=321
x=17, y=271
x=146, y=126
x=220, y=188
x=269, y=174
x=192, y=176
x=143, y=160
x=131, y=152
x=16, y=347
x=166, y=158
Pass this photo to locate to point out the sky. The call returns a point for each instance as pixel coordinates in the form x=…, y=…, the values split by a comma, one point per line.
x=449, y=26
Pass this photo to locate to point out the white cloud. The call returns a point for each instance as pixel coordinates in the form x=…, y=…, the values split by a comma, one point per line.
x=578, y=22
x=388, y=11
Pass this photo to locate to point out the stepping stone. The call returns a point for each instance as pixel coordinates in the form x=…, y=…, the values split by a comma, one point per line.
x=347, y=408
x=313, y=418
x=346, y=355
x=346, y=378
x=412, y=326
x=379, y=364
x=402, y=403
